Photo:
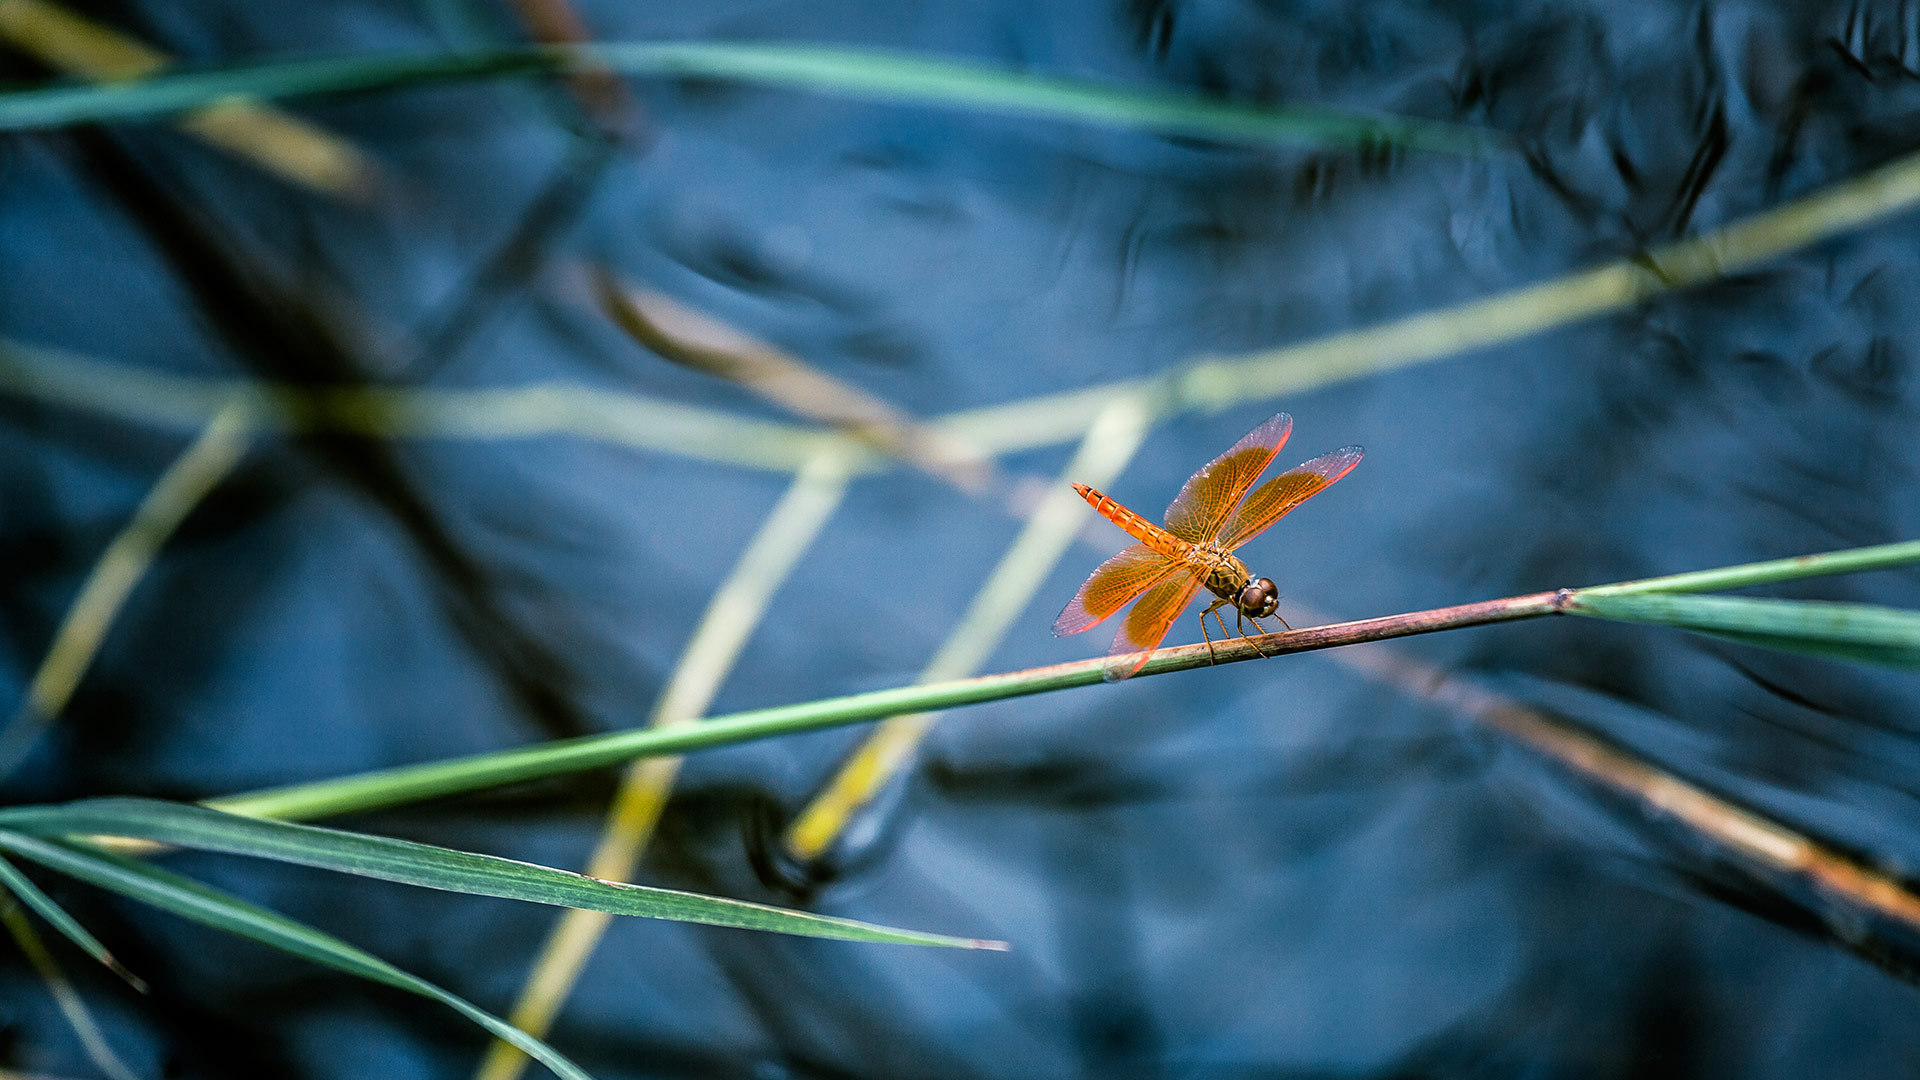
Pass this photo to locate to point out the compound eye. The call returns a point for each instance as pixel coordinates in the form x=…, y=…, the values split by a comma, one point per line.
x=1259, y=598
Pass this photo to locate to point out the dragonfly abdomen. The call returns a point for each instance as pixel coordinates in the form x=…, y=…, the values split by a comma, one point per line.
x=1153, y=536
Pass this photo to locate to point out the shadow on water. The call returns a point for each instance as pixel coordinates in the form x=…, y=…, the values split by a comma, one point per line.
x=1275, y=869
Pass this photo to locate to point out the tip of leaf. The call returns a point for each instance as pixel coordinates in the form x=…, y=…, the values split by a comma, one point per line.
x=129, y=977
x=990, y=945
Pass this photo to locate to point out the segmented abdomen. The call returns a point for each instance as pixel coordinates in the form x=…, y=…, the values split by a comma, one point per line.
x=1155, y=537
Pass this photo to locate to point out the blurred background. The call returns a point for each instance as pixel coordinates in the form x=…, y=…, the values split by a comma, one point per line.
x=424, y=420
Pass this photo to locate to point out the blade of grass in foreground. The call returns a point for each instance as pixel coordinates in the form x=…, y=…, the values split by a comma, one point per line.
x=872, y=75
x=1864, y=633
x=412, y=783
x=56, y=916
x=191, y=900
x=430, y=867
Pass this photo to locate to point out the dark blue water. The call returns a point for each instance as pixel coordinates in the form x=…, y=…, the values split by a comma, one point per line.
x=1275, y=869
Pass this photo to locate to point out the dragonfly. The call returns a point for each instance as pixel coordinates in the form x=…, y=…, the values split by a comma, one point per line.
x=1211, y=517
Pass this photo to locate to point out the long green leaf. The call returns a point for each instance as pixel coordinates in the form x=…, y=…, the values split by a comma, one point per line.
x=192, y=900
x=185, y=825
x=867, y=74
x=31, y=895
x=1861, y=632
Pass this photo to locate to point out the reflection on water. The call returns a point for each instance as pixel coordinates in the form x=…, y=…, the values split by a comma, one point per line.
x=1276, y=868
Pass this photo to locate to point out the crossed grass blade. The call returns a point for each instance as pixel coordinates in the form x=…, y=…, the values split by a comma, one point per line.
x=23, y=888
x=428, y=866
x=190, y=899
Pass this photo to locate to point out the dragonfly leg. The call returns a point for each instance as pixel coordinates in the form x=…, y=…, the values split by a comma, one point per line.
x=1203, y=628
x=1243, y=631
x=1222, y=620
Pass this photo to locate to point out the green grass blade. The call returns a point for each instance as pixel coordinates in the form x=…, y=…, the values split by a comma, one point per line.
x=1860, y=632
x=191, y=900
x=21, y=886
x=873, y=75
x=1771, y=572
x=427, y=866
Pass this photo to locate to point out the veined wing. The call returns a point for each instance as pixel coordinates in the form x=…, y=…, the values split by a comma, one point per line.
x=1271, y=500
x=1147, y=624
x=1211, y=494
x=1111, y=585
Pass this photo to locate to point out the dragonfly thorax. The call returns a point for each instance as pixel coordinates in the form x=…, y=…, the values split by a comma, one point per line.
x=1230, y=580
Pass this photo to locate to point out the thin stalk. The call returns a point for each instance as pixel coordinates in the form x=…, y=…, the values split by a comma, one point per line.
x=412, y=783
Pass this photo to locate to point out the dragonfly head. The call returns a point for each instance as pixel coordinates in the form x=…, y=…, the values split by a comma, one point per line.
x=1258, y=599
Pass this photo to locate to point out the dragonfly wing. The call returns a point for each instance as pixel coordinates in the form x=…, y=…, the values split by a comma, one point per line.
x=1210, y=494
x=1111, y=585
x=1271, y=500
x=1147, y=624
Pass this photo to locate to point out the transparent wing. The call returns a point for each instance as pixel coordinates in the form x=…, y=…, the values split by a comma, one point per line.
x=1271, y=500
x=1147, y=624
x=1210, y=494
x=1111, y=585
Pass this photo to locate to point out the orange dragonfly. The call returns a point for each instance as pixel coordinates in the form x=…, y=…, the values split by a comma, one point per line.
x=1203, y=527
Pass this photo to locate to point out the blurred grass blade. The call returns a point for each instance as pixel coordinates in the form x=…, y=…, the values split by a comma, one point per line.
x=603, y=99
x=170, y=400
x=191, y=900
x=93, y=1042
x=1210, y=384
x=190, y=826
x=1850, y=891
x=732, y=615
x=281, y=144
x=122, y=565
x=1202, y=384
x=873, y=75
x=697, y=340
x=1865, y=633
x=43, y=905
x=1109, y=445
x=902, y=77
